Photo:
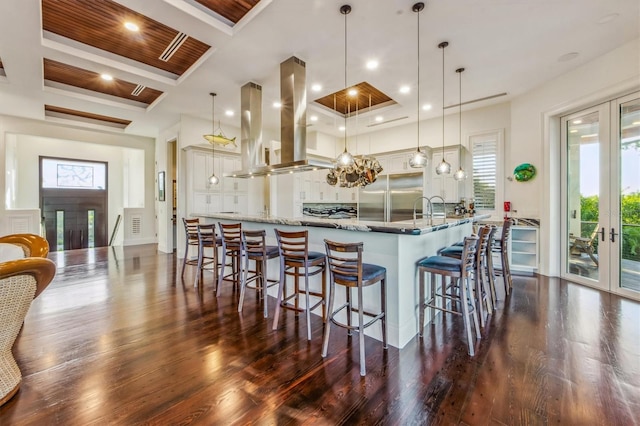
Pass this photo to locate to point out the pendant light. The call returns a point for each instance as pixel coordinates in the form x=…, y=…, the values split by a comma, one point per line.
x=460, y=173
x=345, y=159
x=418, y=158
x=443, y=167
x=213, y=179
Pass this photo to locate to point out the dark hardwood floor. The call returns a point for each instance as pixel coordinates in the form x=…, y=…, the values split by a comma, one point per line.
x=118, y=339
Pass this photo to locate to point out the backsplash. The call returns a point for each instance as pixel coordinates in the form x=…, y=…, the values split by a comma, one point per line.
x=330, y=210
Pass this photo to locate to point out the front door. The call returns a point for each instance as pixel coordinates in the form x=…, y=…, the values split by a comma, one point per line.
x=601, y=231
x=73, y=201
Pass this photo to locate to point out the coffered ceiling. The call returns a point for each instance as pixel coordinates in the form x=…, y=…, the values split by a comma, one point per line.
x=53, y=54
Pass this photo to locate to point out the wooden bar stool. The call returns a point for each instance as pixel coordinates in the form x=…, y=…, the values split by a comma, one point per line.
x=501, y=248
x=254, y=248
x=346, y=269
x=297, y=261
x=459, y=270
x=207, y=240
x=481, y=289
x=191, y=240
x=231, y=235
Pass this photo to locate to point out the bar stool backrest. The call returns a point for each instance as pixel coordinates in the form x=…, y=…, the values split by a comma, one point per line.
x=191, y=229
x=254, y=243
x=345, y=262
x=490, y=239
x=468, y=255
x=231, y=234
x=293, y=246
x=483, y=242
x=206, y=233
x=506, y=232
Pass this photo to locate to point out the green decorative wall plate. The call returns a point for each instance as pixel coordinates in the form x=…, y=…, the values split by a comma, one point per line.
x=524, y=172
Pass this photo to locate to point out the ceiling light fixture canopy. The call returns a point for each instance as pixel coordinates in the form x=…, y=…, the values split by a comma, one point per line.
x=213, y=179
x=443, y=167
x=418, y=159
x=460, y=174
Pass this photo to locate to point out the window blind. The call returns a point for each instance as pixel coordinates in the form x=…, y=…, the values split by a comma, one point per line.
x=485, y=168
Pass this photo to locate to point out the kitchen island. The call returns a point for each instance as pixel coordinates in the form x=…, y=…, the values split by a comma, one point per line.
x=395, y=245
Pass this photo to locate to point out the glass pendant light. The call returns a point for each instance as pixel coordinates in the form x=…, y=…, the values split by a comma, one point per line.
x=213, y=179
x=443, y=167
x=345, y=159
x=418, y=158
x=460, y=173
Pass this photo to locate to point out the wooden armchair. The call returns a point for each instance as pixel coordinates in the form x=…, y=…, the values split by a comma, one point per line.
x=20, y=282
x=33, y=245
x=579, y=245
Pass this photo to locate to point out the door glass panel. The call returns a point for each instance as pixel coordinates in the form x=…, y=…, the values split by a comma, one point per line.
x=60, y=230
x=91, y=217
x=583, y=195
x=630, y=195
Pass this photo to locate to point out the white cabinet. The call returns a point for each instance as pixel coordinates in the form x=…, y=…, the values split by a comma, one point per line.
x=524, y=249
x=229, y=195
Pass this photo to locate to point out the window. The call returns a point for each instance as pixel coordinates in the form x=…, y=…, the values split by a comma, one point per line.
x=486, y=149
x=71, y=174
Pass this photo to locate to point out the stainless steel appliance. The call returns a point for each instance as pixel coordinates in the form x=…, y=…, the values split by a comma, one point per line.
x=390, y=198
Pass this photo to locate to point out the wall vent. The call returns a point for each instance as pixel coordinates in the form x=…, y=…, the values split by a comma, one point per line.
x=136, y=225
x=173, y=47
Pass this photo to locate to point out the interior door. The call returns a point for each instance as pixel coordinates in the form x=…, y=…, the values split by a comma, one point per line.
x=601, y=230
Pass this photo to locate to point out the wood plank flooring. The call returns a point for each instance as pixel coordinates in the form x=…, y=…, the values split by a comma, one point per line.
x=119, y=339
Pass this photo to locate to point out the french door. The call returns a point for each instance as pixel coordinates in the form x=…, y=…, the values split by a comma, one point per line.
x=601, y=196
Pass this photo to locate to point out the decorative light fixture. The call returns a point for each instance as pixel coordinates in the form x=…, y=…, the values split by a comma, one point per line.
x=213, y=179
x=460, y=173
x=443, y=167
x=418, y=158
x=345, y=159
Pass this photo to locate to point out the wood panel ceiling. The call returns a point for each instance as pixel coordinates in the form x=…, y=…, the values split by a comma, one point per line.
x=54, y=111
x=89, y=80
x=100, y=24
x=344, y=104
x=233, y=10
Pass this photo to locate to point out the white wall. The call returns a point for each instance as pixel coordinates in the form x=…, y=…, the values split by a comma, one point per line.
x=535, y=136
x=31, y=138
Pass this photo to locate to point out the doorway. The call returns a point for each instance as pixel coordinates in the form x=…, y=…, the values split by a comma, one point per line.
x=601, y=202
x=73, y=201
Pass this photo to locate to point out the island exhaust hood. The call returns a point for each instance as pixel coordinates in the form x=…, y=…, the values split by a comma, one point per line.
x=293, y=126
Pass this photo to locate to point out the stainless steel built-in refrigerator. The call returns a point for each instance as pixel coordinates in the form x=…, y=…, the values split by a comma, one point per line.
x=391, y=198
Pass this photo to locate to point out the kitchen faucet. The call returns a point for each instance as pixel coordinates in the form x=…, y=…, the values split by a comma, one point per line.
x=415, y=202
x=444, y=209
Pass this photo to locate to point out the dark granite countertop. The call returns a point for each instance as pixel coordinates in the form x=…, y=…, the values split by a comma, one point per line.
x=405, y=227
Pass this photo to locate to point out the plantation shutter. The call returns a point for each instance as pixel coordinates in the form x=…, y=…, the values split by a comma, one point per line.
x=485, y=163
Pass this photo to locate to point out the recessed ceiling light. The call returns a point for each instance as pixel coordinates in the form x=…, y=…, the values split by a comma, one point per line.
x=405, y=89
x=277, y=104
x=568, y=56
x=607, y=18
x=106, y=77
x=352, y=92
x=591, y=135
x=316, y=87
x=379, y=118
x=341, y=128
x=636, y=123
x=426, y=107
x=131, y=26
x=313, y=118
x=228, y=113
x=577, y=121
x=372, y=64
x=573, y=131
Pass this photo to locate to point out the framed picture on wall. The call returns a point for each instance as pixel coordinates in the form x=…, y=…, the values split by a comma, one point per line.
x=161, y=196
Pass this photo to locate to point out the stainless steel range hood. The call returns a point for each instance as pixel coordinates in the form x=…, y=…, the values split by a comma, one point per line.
x=293, y=126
